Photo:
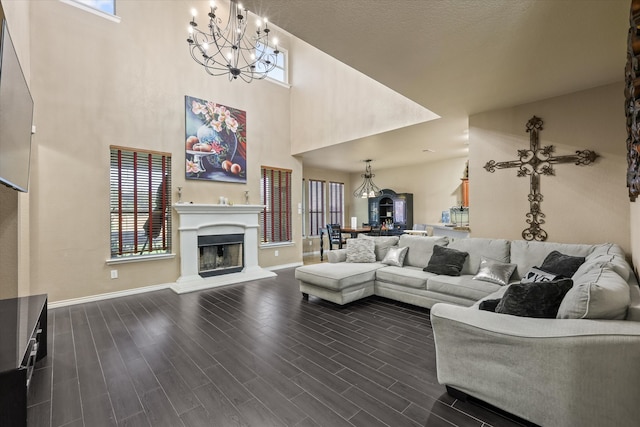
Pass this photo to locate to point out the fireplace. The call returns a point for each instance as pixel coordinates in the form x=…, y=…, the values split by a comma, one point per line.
x=220, y=254
x=218, y=246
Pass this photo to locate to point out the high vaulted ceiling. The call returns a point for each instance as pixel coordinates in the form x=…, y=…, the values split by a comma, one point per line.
x=457, y=58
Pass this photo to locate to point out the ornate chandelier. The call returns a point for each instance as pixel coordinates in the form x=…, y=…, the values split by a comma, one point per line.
x=229, y=50
x=367, y=189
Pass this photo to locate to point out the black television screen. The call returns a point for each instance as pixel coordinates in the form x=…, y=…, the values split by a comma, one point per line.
x=16, y=117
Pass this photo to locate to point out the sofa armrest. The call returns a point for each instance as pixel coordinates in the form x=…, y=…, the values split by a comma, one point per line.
x=337, y=255
x=633, y=312
x=561, y=372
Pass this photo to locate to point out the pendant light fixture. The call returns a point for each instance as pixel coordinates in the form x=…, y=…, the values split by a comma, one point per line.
x=368, y=188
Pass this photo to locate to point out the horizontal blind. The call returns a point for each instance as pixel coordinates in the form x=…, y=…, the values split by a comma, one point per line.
x=316, y=207
x=275, y=193
x=336, y=202
x=140, y=198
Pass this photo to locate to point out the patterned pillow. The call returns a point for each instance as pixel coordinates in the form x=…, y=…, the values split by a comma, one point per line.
x=495, y=271
x=395, y=256
x=536, y=274
x=360, y=250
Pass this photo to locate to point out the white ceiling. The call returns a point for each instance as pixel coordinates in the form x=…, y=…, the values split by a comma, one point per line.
x=456, y=58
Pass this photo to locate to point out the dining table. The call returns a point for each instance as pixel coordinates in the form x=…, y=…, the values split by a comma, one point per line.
x=355, y=231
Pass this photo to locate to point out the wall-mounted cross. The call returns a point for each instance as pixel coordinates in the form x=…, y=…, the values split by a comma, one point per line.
x=535, y=162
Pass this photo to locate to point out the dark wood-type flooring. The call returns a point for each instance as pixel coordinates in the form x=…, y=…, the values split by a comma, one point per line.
x=253, y=354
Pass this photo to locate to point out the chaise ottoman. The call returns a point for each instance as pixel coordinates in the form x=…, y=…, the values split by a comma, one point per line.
x=342, y=283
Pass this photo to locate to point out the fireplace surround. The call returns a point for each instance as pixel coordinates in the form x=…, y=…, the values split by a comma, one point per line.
x=203, y=225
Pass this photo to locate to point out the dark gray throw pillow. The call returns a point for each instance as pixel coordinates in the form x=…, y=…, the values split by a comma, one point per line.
x=489, y=304
x=561, y=264
x=446, y=261
x=535, y=299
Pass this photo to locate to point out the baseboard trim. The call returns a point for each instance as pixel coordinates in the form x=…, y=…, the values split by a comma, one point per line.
x=144, y=289
x=283, y=266
x=109, y=295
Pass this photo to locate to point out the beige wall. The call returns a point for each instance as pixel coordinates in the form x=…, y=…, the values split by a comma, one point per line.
x=346, y=104
x=103, y=83
x=8, y=242
x=435, y=187
x=582, y=204
x=635, y=233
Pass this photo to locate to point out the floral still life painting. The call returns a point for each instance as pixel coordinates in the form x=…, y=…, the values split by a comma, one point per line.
x=215, y=141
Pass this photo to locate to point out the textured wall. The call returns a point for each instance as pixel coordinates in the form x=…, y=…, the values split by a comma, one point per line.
x=333, y=103
x=583, y=204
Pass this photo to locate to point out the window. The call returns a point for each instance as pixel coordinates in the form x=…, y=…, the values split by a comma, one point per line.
x=336, y=203
x=316, y=207
x=140, y=200
x=106, y=6
x=103, y=8
x=279, y=73
x=275, y=193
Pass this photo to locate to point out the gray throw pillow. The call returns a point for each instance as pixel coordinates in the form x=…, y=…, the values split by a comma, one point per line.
x=535, y=299
x=561, y=264
x=360, y=250
x=395, y=256
x=495, y=271
x=446, y=261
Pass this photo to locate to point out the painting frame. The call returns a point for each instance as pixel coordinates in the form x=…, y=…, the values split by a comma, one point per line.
x=215, y=142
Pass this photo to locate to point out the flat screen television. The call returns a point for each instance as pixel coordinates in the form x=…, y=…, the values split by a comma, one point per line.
x=16, y=117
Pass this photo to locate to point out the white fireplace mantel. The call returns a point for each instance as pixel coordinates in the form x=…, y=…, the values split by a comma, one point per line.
x=207, y=219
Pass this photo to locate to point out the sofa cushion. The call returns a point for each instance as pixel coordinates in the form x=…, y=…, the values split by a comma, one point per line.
x=535, y=299
x=562, y=264
x=495, y=271
x=526, y=254
x=461, y=286
x=337, y=276
x=410, y=277
x=598, y=294
x=395, y=256
x=382, y=244
x=476, y=247
x=360, y=250
x=446, y=261
x=616, y=262
x=420, y=248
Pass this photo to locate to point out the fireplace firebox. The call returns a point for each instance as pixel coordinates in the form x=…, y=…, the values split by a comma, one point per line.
x=220, y=254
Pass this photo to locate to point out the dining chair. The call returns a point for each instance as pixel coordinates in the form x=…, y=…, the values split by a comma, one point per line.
x=335, y=236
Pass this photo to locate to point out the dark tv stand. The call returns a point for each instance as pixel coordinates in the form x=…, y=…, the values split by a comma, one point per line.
x=23, y=328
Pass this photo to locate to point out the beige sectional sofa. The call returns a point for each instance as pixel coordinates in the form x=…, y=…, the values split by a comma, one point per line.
x=581, y=371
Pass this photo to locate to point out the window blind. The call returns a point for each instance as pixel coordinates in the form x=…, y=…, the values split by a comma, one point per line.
x=140, y=199
x=275, y=193
x=316, y=207
x=336, y=202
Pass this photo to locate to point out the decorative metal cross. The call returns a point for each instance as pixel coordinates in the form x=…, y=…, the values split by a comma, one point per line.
x=535, y=162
